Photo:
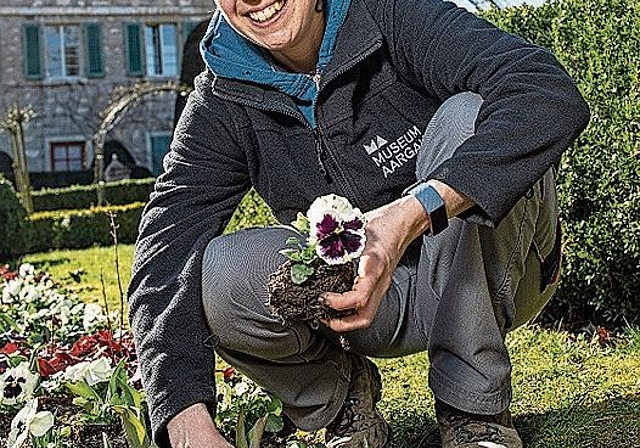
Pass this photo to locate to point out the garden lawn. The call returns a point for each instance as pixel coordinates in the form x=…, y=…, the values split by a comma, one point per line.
x=63, y=266
x=569, y=391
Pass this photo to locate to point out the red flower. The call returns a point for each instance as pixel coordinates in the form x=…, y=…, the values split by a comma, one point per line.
x=7, y=273
x=228, y=374
x=9, y=348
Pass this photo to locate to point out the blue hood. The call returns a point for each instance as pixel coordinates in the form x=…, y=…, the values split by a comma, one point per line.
x=230, y=55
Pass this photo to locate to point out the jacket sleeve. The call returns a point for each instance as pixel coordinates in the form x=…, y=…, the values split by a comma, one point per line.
x=532, y=110
x=205, y=178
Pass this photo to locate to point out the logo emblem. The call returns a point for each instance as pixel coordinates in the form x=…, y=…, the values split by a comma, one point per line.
x=375, y=144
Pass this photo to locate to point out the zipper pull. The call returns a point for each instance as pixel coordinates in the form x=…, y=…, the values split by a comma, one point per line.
x=320, y=154
x=316, y=79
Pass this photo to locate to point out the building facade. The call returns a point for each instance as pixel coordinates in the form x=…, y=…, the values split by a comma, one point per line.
x=65, y=59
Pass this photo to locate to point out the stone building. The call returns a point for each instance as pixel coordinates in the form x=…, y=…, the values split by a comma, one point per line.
x=64, y=58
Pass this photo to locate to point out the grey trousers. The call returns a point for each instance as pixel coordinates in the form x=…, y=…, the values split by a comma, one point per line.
x=455, y=295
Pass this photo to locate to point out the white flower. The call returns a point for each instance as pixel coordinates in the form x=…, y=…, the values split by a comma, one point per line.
x=26, y=270
x=17, y=384
x=11, y=290
x=338, y=206
x=28, y=293
x=92, y=313
x=92, y=373
x=241, y=388
x=336, y=229
x=29, y=421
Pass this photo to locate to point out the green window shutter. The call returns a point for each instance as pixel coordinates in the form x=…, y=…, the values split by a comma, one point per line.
x=93, y=50
x=159, y=148
x=32, y=52
x=134, y=49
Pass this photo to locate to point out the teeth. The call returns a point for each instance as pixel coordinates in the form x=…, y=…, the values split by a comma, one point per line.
x=267, y=13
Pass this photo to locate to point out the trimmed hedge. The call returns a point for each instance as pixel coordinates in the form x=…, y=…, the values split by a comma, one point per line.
x=599, y=180
x=85, y=196
x=78, y=229
x=14, y=225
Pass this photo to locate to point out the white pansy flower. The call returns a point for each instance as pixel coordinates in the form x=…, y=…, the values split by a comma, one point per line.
x=75, y=372
x=17, y=384
x=92, y=373
x=331, y=203
x=29, y=421
x=336, y=229
x=99, y=371
x=11, y=290
x=26, y=270
x=29, y=293
x=92, y=314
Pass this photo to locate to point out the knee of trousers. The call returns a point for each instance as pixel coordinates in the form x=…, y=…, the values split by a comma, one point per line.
x=235, y=271
x=452, y=124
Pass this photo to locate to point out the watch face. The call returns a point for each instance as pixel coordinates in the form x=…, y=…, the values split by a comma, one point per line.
x=433, y=205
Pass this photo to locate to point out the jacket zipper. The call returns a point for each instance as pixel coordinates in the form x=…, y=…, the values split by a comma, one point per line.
x=320, y=147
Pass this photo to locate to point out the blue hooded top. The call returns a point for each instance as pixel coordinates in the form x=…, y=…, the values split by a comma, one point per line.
x=228, y=54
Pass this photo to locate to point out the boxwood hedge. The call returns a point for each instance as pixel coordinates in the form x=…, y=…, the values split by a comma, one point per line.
x=85, y=196
x=14, y=225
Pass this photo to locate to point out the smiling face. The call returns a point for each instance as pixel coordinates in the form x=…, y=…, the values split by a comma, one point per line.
x=291, y=30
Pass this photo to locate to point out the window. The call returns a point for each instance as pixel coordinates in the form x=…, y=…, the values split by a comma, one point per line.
x=68, y=156
x=154, y=50
x=161, y=49
x=62, y=51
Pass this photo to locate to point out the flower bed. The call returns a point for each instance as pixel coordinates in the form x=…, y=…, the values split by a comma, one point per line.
x=69, y=378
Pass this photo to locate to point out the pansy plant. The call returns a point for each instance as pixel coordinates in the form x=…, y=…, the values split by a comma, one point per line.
x=334, y=232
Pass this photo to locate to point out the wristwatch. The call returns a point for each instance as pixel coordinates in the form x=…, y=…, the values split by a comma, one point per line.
x=432, y=203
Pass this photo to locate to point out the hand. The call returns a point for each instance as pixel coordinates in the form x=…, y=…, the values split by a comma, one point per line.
x=194, y=428
x=389, y=231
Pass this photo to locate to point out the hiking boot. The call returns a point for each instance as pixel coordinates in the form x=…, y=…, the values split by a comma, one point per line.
x=359, y=424
x=460, y=429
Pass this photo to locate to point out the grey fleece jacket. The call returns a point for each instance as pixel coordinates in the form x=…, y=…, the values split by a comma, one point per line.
x=394, y=63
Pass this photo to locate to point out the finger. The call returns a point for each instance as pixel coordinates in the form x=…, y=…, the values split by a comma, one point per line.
x=350, y=323
x=349, y=300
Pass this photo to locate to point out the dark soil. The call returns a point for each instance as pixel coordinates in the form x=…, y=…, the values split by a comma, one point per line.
x=300, y=303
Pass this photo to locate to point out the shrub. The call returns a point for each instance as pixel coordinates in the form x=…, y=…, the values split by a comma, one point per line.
x=85, y=196
x=14, y=225
x=76, y=229
x=599, y=179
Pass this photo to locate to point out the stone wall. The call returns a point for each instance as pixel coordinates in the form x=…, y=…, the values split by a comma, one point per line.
x=70, y=109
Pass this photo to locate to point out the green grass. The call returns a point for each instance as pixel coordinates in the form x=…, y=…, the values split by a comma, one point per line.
x=94, y=262
x=568, y=391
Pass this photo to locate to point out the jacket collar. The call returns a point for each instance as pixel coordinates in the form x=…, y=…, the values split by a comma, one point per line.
x=358, y=38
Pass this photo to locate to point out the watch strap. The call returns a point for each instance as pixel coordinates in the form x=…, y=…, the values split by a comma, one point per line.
x=433, y=204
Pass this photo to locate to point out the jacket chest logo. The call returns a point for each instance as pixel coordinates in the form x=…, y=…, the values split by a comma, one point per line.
x=389, y=156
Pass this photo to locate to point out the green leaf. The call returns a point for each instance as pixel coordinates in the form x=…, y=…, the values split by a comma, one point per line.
x=292, y=254
x=134, y=428
x=256, y=432
x=293, y=241
x=302, y=224
x=300, y=273
x=275, y=423
x=241, y=438
x=82, y=389
x=309, y=254
x=275, y=406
